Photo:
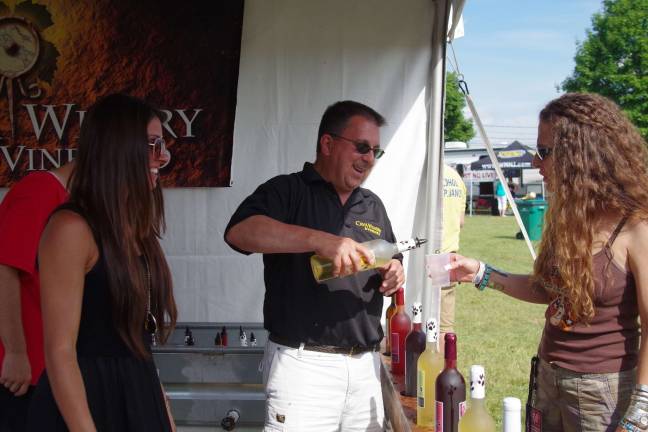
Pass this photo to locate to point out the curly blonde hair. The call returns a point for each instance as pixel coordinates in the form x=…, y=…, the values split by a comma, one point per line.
x=599, y=166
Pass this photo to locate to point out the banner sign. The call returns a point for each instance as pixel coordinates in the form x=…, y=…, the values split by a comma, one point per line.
x=510, y=159
x=508, y=164
x=480, y=176
x=59, y=57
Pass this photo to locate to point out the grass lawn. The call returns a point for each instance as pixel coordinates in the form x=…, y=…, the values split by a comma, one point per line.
x=494, y=330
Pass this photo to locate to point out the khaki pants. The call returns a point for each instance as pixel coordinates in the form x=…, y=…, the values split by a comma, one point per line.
x=447, y=317
x=577, y=402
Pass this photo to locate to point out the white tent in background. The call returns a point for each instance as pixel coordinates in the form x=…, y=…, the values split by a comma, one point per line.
x=297, y=58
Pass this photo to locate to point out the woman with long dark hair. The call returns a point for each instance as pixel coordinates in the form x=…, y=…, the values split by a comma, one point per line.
x=106, y=290
x=592, y=372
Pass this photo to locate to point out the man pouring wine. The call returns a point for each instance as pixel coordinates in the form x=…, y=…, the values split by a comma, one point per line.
x=322, y=366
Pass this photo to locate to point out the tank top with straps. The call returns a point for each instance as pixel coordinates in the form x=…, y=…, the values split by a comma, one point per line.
x=610, y=342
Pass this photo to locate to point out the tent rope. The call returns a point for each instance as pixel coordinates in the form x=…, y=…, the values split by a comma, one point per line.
x=491, y=152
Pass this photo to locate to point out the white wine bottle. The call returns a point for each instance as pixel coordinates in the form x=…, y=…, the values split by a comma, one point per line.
x=512, y=418
x=382, y=250
x=430, y=365
x=477, y=418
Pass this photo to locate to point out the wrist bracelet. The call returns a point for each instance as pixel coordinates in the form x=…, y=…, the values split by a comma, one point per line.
x=484, y=281
x=636, y=416
x=480, y=274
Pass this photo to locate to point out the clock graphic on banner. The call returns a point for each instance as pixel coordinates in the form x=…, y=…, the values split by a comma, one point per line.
x=19, y=49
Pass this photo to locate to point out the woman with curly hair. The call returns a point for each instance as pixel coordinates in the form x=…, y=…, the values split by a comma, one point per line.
x=592, y=374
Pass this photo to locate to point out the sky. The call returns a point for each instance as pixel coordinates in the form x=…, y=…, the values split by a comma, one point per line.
x=513, y=55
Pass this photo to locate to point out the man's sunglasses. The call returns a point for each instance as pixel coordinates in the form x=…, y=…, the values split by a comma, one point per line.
x=543, y=152
x=361, y=147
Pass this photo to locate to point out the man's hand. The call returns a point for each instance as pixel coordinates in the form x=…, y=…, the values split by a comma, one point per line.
x=393, y=277
x=345, y=253
x=16, y=373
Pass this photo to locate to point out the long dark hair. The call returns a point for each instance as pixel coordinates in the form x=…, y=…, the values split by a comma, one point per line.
x=111, y=186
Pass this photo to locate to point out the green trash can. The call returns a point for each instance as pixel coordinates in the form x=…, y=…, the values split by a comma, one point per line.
x=532, y=214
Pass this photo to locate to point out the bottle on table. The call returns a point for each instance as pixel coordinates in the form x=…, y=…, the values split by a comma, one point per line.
x=477, y=418
x=242, y=337
x=430, y=365
x=450, y=390
x=224, y=336
x=414, y=346
x=512, y=414
x=188, y=339
x=382, y=250
x=391, y=310
x=400, y=325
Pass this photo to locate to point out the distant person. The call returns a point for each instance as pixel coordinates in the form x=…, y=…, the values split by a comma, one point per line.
x=322, y=362
x=511, y=187
x=454, y=210
x=23, y=214
x=500, y=195
x=106, y=289
x=591, y=270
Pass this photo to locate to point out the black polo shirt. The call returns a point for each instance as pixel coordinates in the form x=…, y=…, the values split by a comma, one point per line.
x=341, y=312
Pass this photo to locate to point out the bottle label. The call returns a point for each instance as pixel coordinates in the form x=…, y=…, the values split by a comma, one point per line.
x=394, y=348
x=462, y=409
x=405, y=245
x=439, y=417
x=420, y=399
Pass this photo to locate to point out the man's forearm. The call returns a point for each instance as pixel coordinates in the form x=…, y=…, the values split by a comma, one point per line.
x=11, y=329
x=262, y=234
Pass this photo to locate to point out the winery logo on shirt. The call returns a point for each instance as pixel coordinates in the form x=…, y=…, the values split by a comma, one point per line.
x=373, y=229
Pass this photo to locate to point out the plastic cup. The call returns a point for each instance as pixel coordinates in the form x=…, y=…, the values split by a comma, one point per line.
x=437, y=268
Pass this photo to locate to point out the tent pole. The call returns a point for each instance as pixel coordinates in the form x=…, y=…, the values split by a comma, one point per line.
x=471, y=195
x=431, y=295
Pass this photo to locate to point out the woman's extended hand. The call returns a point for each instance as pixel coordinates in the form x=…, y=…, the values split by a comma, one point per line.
x=463, y=269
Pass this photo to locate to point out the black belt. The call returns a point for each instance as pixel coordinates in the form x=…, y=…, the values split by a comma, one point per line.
x=326, y=348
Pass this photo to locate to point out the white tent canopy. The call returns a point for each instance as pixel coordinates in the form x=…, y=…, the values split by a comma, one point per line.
x=298, y=57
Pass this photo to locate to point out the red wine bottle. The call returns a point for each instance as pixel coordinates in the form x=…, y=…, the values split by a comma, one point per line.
x=450, y=390
x=224, y=336
x=414, y=346
x=399, y=325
